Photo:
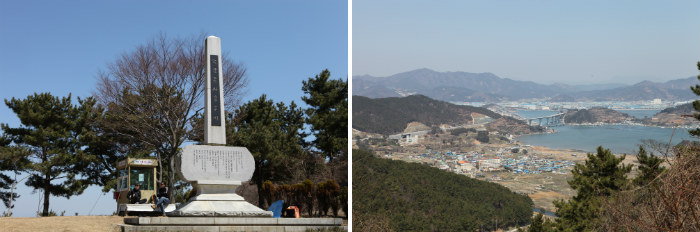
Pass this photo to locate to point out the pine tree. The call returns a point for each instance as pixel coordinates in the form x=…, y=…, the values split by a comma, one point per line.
x=649, y=167
x=13, y=160
x=537, y=223
x=540, y=224
x=271, y=133
x=51, y=127
x=696, y=105
x=600, y=176
x=328, y=113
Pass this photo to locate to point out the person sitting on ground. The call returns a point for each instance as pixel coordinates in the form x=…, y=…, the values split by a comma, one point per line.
x=134, y=195
x=163, y=200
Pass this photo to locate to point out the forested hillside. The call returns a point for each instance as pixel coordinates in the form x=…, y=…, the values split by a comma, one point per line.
x=390, y=115
x=414, y=197
x=596, y=115
x=674, y=116
x=679, y=109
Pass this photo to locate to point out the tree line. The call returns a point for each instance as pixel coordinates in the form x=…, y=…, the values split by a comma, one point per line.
x=147, y=103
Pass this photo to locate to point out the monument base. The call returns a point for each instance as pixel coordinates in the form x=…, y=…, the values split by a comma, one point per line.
x=201, y=208
x=216, y=199
x=230, y=224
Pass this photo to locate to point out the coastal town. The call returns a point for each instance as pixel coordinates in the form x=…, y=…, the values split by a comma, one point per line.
x=480, y=150
x=539, y=172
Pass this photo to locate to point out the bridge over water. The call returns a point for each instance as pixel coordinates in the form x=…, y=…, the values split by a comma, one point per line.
x=551, y=120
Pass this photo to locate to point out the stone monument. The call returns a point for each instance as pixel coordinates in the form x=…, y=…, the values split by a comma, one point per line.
x=215, y=171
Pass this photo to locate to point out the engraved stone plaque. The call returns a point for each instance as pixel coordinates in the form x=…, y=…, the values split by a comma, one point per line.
x=216, y=163
x=215, y=91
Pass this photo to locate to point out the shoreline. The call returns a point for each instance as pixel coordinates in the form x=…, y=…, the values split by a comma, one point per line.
x=620, y=138
x=692, y=126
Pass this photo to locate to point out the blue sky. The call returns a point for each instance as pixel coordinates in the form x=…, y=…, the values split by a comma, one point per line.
x=596, y=41
x=59, y=46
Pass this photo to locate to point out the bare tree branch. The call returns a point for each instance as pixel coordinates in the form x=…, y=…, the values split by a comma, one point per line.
x=153, y=92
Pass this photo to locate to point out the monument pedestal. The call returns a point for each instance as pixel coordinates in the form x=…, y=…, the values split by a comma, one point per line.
x=218, y=199
x=230, y=224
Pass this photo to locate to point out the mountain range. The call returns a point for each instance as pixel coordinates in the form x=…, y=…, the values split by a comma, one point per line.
x=487, y=87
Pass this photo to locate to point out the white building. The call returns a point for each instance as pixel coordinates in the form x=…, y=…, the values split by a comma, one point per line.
x=466, y=166
x=409, y=138
x=490, y=164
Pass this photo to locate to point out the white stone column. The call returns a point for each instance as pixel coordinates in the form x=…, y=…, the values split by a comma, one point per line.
x=216, y=171
x=214, y=117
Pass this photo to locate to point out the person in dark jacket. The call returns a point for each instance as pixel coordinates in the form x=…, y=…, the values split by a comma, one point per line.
x=163, y=199
x=134, y=195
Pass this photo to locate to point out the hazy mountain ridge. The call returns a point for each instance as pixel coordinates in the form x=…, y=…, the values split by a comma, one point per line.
x=646, y=90
x=487, y=87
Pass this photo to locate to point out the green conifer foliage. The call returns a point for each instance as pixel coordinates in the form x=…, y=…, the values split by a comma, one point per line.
x=540, y=224
x=649, y=167
x=50, y=129
x=600, y=176
x=271, y=133
x=328, y=113
x=696, y=105
x=13, y=159
x=537, y=224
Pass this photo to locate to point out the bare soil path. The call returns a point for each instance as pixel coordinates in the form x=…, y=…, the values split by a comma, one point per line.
x=60, y=224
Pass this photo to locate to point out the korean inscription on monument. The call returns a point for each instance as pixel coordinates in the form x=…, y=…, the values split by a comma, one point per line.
x=218, y=162
x=215, y=91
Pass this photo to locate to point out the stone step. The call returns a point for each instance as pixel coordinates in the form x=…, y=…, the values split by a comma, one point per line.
x=237, y=221
x=129, y=228
x=230, y=224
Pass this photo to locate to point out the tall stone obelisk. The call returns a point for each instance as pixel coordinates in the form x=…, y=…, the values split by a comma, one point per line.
x=216, y=171
x=215, y=121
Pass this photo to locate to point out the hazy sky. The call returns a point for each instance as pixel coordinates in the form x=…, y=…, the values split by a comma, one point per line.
x=59, y=46
x=542, y=41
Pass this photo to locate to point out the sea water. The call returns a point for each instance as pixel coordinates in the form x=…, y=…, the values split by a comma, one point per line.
x=617, y=138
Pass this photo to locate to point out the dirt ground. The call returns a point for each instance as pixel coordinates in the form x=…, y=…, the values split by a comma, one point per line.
x=60, y=224
x=545, y=199
x=63, y=224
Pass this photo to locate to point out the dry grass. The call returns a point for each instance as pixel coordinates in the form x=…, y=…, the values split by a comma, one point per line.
x=544, y=199
x=69, y=223
x=540, y=195
x=671, y=202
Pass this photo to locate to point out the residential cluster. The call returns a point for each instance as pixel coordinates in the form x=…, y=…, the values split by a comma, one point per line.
x=475, y=164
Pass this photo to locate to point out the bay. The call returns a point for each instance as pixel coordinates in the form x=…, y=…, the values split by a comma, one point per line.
x=617, y=138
